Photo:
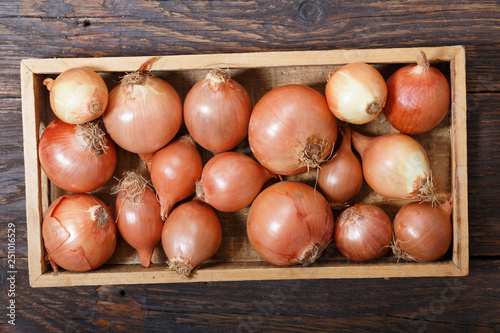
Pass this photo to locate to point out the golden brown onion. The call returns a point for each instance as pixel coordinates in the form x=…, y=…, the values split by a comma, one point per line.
x=423, y=231
x=290, y=223
x=230, y=181
x=79, y=233
x=217, y=111
x=292, y=130
x=191, y=235
x=144, y=112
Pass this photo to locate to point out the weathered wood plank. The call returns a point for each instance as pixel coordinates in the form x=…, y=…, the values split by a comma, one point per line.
x=372, y=305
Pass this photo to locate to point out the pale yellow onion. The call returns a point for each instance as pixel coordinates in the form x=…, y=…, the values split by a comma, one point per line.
x=356, y=93
x=230, y=181
x=395, y=166
x=77, y=95
x=144, y=112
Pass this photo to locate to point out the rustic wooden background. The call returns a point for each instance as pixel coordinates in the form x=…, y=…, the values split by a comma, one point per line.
x=73, y=28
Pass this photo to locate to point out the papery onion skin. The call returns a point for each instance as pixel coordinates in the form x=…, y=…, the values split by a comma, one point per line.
x=217, y=111
x=291, y=130
x=341, y=178
x=290, y=223
x=174, y=172
x=418, y=97
x=77, y=95
x=77, y=158
x=79, y=233
x=137, y=215
x=144, y=112
x=191, y=235
x=356, y=93
x=363, y=232
x=230, y=181
x=423, y=231
x=395, y=166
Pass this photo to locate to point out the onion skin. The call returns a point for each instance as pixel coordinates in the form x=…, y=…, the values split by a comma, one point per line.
x=77, y=95
x=230, y=181
x=363, y=232
x=174, y=172
x=356, y=93
x=418, y=98
x=341, y=178
x=78, y=232
x=291, y=130
x=423, y=231
x=191, y=235
x=144, y=112
x=211, y=105
x=395, y=166
x=77, y=158
x=290, y=223
x=138, y=216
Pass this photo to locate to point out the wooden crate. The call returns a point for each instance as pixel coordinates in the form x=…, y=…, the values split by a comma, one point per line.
x=259, y=73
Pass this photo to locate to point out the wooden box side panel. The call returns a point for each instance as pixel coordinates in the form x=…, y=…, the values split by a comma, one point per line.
x=459, y=162
x=188, y=68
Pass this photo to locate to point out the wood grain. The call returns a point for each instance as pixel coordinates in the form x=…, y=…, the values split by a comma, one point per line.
x=69, y=28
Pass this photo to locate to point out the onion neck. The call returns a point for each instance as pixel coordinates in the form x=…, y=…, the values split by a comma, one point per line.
x=360, y=141
x=217, y=78
x=447, y=206
x=422, y=60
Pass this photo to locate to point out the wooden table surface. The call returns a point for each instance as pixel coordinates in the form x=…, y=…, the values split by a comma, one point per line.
x=66, y=28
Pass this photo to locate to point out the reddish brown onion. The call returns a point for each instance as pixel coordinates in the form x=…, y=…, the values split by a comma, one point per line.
x=292, y=130
x=77, y=158
x=341, y=178
x=423, y=231
x=174, y=172
x=363, y=232
x=418, y=97
x=290, y=223
x=137, y=215
x=78, y=232
x=230, y=181
x=191, y=235
x=144, y=112
x=216, y=112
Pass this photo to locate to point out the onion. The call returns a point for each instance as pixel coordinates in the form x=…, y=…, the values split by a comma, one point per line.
x=291, y=130
x=77, y=95
x=191, y=235
x=423, y=231
x=174, y=172
x=356, y=93
x=78, y=232
x=290, y=223
x=363, y=232
x=341, y=178
x=217, y=111
x=144, y=112
x=77, y=158
x=138, y=216
x=395, y=166
x=418, y=98
x=230, y=181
